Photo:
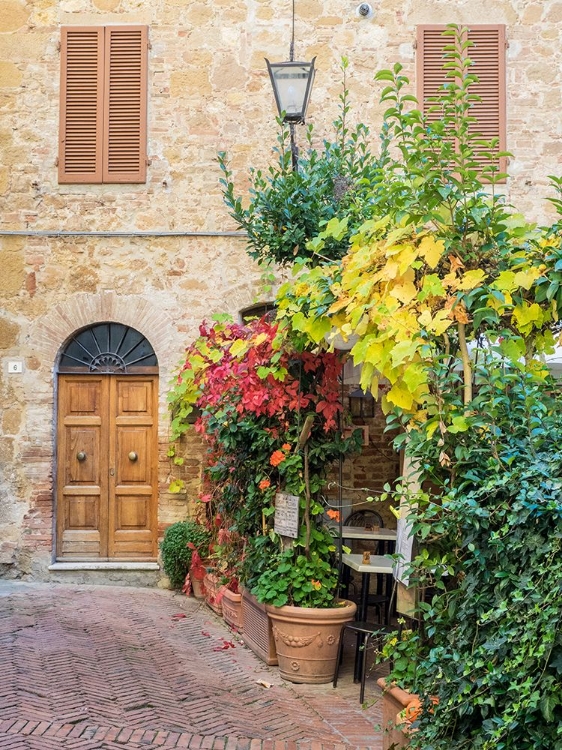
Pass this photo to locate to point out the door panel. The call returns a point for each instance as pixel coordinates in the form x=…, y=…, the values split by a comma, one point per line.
x=83, y=455
x=107, y=486
x=133, y=445
x=133, y=493
x=82, y=470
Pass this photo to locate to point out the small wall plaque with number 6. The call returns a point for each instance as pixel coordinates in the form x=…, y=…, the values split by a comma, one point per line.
x=15, y=367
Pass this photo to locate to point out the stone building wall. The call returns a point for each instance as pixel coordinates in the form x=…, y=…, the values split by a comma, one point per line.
x=208, y=91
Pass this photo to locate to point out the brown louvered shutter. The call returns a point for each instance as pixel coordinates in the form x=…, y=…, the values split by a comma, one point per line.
x=488, y=56
x=81, y=105
x=126, y=54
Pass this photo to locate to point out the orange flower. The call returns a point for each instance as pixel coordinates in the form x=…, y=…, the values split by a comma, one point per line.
x=317, y=585
x=264, y=484
x=333, y=514
x=277, y=457
x=413, y=710
x=286, y=446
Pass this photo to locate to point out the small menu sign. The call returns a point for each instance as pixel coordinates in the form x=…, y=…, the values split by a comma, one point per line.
x=286, y=519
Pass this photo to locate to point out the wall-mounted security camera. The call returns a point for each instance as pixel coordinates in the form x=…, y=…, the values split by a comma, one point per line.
x=364, y=10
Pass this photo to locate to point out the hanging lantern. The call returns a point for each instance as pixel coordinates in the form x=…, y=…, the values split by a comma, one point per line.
x=361, y=404
x=292, y=86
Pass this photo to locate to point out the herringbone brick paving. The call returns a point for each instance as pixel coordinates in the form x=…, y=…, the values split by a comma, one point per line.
x=104, y=668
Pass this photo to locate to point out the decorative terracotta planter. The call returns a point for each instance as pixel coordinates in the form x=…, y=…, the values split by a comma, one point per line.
x=197, y=588
x=258, y=633
x=307, y=640
x=232, y=609
x=213, y=592
x=396, y=729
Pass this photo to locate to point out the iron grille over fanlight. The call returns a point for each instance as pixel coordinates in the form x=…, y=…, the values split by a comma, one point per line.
x=108, y=348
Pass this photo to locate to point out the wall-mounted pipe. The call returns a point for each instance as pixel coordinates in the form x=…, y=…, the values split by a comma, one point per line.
x=49, y=233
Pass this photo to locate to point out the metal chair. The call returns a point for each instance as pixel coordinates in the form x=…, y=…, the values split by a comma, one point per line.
x=366, y=632
x=363, y=518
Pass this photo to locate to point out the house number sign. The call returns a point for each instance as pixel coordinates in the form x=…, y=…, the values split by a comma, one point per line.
x=286, y=519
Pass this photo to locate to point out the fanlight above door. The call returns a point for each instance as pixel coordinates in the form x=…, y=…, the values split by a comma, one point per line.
x=108, y=348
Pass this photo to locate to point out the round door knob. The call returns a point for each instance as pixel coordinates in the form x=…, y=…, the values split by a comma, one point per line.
x=132, y=456
x=81, y=456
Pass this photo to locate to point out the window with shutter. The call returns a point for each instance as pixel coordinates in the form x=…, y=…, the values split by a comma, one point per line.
x=487, y=54
x=103, y=104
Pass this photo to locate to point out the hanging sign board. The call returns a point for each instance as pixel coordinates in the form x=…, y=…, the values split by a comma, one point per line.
x=286, y=519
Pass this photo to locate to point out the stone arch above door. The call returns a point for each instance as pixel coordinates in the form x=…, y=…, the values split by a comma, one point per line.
x=83, y=310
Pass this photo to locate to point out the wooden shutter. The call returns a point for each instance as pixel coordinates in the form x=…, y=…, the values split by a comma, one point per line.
x=488, y=56
x=103, y=104
x=126, y=54
x=81, y=105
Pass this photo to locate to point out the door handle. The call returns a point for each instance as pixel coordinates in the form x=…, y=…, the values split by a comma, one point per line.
x=112, y=472
x=81, y=456
x=132, y=456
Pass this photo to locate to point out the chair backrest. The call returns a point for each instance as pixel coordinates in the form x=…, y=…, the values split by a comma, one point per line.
x=362, y=518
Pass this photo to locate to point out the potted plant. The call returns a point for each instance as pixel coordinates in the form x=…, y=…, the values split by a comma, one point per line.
x=232, y=606
x=298, y=588
x=179, y=542
x=193, y=583
x=255, y=389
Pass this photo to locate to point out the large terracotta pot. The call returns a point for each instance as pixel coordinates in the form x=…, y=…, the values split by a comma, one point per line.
x=397, y=706
x=232, y=609
x=307, y=640
x=213, y=592
x=197, y=588
x=258, y=634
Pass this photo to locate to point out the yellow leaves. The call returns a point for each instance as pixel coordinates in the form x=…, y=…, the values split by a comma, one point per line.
x=436, y=324
x=505, y=282
x=431, y=250
x=404, y=293
x=400, y=396
x=527, y=316
x=415, y=378
x=432, y=287
x=404, y=350
x=239, y=347
x=525, y=279
x=471, y=279
x=499, y=305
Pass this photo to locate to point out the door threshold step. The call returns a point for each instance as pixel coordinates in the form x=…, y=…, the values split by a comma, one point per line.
x=104, y=566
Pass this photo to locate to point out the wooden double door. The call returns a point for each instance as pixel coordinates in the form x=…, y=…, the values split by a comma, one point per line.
x=107, y=467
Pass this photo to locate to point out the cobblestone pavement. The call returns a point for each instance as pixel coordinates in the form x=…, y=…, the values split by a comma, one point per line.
x=104, y=667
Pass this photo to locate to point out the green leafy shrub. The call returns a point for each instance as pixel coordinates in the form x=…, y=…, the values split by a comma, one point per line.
x=454, y=298
x=287, y=207
x=492, y=645
x=176, y=555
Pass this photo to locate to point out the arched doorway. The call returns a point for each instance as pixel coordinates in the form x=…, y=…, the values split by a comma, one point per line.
x=107, y=446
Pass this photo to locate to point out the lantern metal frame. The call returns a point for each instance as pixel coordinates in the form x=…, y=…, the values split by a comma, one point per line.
x=297, y=117
x=361, y=404
x=285, y=69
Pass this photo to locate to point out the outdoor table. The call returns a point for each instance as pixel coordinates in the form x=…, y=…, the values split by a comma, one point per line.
x=386, y=536
x=379, y=565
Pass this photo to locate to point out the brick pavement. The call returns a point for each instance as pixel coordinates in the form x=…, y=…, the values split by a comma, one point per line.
x=103, y=667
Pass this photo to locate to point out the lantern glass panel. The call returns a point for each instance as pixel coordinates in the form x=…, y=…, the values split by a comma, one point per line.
x=292, y=84
x=361, y=404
